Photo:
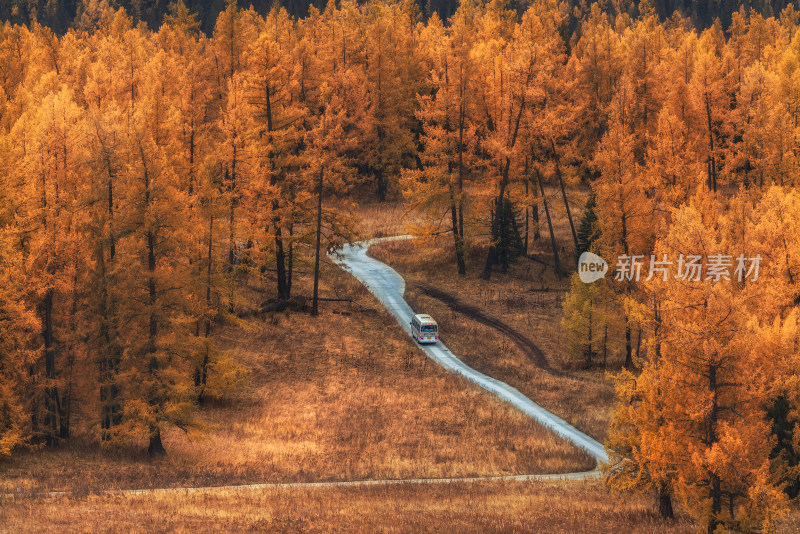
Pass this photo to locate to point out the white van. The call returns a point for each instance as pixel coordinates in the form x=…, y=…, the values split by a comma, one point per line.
x=424, y=329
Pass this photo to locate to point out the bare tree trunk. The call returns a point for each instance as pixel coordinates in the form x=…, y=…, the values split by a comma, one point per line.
x=628, y=347
x=201, y=374
x=280, y=260
x=564, y=194
x=457, y=237
x=527, y=215
x=712, y=163
x=315, y=301
x=51, y=391
x=665, y=502
x=559, y=269
x=588, y=352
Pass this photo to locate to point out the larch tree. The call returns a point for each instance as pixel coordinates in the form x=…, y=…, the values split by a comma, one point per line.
x=447, y=157
x=695, y=417
x=276, y=130
x=391, y=59
x=19, y=323
x=709, y=101
x=329, y=172
x=516, y=66
x=157, y=340
x=624, y=211
x=52, y=155
x=233, y=124
x=234, y=31
x=582, y=322
x=595, y=65
x=199, y=178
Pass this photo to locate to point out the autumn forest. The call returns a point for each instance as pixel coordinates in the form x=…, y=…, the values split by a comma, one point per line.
x=151, y=178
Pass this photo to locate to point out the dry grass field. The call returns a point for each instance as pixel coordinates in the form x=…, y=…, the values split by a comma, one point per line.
x=558, y=507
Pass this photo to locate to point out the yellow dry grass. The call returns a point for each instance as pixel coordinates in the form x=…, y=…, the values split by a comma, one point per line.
x=558, y=507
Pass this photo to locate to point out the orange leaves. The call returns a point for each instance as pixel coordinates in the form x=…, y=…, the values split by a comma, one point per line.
x=721, y=354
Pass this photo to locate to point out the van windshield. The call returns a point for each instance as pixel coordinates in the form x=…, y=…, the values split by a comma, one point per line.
x=428, y=328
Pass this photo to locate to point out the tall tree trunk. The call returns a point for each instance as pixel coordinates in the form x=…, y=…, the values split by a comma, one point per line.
x=712, y=163
x=657, y=328
x=457, y=237
x=109, y=390
x=527, y=214
x=46, y=312
x=290, y=259
x=280, y=261
x=315, y=302
x=624, y=220
x=559, y=269
x=491, y=255
x=665, y=502
x=155, y=446
x=51, y=391
x=232, y=214
x=284, y=282
x=588, y=350
x=66, y=402
x=564, y=193
x=638, y=341
x=383, y=187
x=500, y=234
x=628, y=346
x=501, y=251
x=201, y=374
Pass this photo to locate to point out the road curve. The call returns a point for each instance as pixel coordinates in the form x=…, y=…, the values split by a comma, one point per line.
x=388, y=286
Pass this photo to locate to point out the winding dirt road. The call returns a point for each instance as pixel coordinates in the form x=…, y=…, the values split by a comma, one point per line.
x=388, y=286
